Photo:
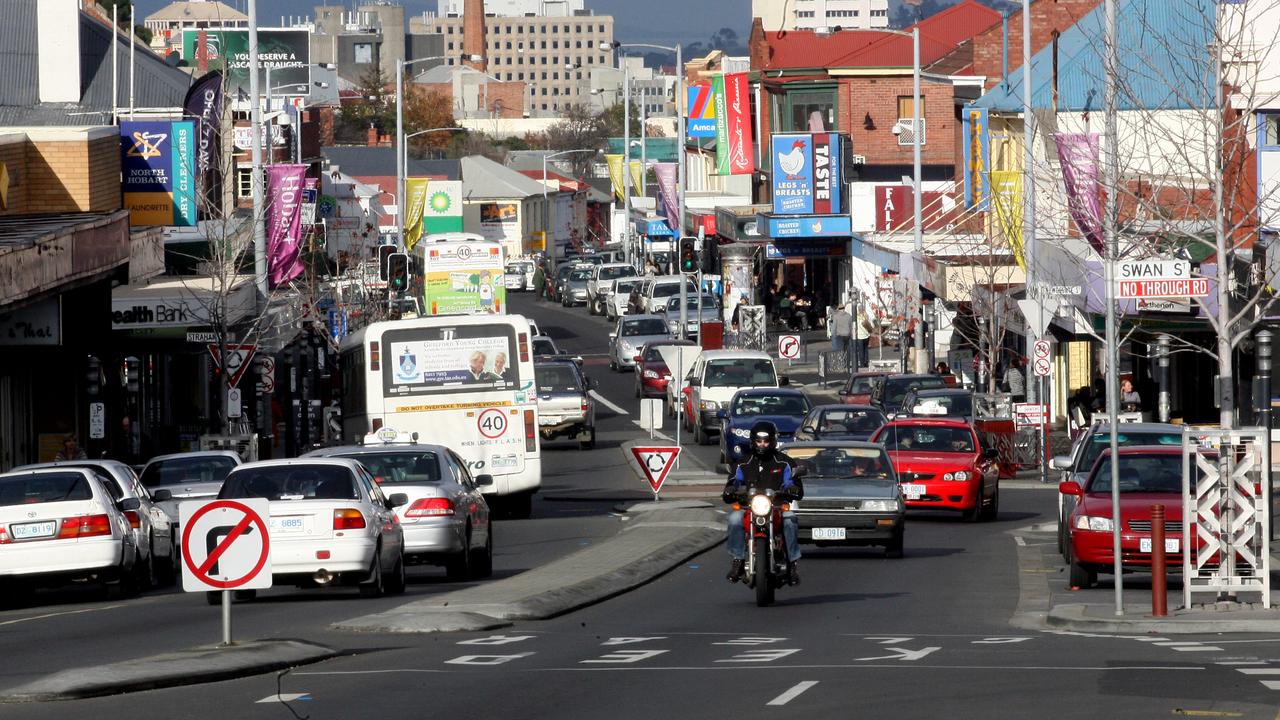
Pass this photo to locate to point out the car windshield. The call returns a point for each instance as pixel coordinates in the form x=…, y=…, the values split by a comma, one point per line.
x=896, y=389
x=609, y=273
x=181, y=470
x=652, y=354
x=850, y=421
x=927, y=438
x=580, y=275
x=1140, y=473
x=563, y=272
x=515, y=270
x=772, y=404
x=842, y=462
x=35, y=488
x=740, y=372
x=691, y=302
x=408, y=467
x=543, y=347
x=291, y=482
x=662, y=290
x=646, y=326
x=1100, y=441
x=627, y=286
x=863, y=385
x=960, y=405
x=556, y=378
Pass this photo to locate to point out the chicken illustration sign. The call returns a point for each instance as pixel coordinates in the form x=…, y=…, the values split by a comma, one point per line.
x=807, y=174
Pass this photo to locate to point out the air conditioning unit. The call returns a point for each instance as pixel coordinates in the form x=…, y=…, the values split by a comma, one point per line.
x=246, y=446
x=905, y=132
x=859, y=159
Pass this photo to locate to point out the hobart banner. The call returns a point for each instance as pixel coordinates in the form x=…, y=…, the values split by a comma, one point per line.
x=741, y=144
x=722, y=125
x=284, y=222
x=204, y=104
x=666, y=174
x=1078, y=154
x=416, y=190
x=615, y=174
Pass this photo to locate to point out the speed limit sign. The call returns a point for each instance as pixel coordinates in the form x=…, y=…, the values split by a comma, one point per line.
x=492, y=423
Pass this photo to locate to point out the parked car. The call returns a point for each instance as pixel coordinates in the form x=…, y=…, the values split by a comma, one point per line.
x=446, y=520
x=330, y=523
x=784, y=407
x=661, y=288
x=1149, y=475
x=840, y=423
x=618, y=296
x=652, y=373
x=601, y=276
x=861, y=387
x=152, y=528
x=60, y=525
x=942, y=465
x=1086, y=450
x=565, y=405
x=561, y=277
x=851, y=496
x=704, y=309
x=632, y=333
x=573, y=290
x=518, y=275
x=891, y=391
x=714, y=379
x=939, y=402
x=176, y=477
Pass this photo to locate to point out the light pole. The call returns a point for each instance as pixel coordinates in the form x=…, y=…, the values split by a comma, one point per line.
x=400, y=153
x=549, y=244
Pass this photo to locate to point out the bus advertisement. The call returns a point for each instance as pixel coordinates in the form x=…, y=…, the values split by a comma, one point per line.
x=463, y=273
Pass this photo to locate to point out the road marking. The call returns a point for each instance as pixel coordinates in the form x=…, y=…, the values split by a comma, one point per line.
x=58, y=614
x=608, y=404
x=1018, y=539
x=1202, y=648
x=1172, y=643
x=284, y=698
x=1241, y=662
x=902, y=653
x=1259, y=671
x=832, y=666
x=1272, y=685
x=1205, y=713
x=656, y=433
x=793, y=693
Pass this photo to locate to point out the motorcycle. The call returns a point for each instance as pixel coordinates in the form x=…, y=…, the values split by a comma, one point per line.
x=766, y=566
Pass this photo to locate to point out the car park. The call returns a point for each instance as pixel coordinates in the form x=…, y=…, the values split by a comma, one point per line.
x=630, y=334
x=573, y=289
x=784, y=407
x=63, y=524
x=662, y=288
x=714, y=379
x=840, y=422
x=565, y=405
x=446, y=520
x=893, y=389
x=618, y=296
x=597, y=286
x=330, y=523
x=942, y=465
x=176, y=477
x=851, y=496
x=698, y=310
x=652, y=373
x=938, y=402
x=861, y=387
x=152, y=528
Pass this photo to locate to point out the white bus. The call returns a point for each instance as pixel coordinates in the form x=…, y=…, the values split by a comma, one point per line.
x=462, y=273
x=463, y=381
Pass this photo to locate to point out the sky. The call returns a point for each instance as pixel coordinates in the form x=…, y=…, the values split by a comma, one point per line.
x=659, y=21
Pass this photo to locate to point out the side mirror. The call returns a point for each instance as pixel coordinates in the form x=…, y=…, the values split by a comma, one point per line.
x=1061, y=462
x=397, y=499
x=613, y=336
x=1070, y=487
x=844, y=393
x=483, y=480
x=636, y=358
x=783, y=380
x=693, y=382
x=162, y=495
x=130, y=504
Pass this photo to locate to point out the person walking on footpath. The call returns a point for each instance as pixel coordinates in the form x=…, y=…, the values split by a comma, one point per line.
x=842, y=334
x=862, y=340
x=1014, y=381
x=540, y=283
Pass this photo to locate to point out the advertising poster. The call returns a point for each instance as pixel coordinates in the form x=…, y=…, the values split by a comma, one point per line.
x=463, y=277
x=792, y=173
x=416, y=189
x=500, y=222
x=478, y=361
x=443, y=210
x=722, y=126
x=741, y=144
x=701, y=119
x=285, y=51
x=285, y=184
x=204, y=104
x=158, y=171
x=976, y=147
x=827, y=178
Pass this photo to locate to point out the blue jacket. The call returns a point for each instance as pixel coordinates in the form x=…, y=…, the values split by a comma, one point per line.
x=776, y=473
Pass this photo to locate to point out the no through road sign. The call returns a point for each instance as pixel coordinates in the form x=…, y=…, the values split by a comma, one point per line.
x=225, y=544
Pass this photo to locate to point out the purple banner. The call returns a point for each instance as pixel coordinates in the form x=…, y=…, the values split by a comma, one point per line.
x=204, y=104
x=1078, y=154
x=666, y=174
x=284, y=222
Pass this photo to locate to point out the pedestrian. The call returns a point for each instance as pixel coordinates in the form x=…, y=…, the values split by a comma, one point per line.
x=540, y=283
x=841, y=326
x=1015, y=383
x=71, y=449
x=862, y=339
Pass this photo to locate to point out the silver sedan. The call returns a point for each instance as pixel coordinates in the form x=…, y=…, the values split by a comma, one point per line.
x=631, y=334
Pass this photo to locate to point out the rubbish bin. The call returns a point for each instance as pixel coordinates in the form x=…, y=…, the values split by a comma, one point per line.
x=712, y=335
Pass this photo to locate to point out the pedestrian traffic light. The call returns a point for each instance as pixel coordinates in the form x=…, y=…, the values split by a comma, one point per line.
x=384, y=252
x=688, y=255
x=397, y=272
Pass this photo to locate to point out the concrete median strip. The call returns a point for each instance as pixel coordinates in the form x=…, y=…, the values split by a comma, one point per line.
x=658, y=537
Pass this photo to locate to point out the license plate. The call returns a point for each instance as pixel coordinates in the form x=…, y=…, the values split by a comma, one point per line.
x=547, y=420
x=1170, y=545
x=912, y=491
x=288, y=525
x=27, y=531
x=828, y=533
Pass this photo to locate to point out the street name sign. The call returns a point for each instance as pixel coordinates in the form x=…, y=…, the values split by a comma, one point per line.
x=1158, y=279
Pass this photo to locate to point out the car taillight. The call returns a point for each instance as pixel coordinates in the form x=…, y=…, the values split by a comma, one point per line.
x=524, y=347
x=4, y=536
x=375, y=356
x=530, y=432
x=585, y=406
x=430, y=507
x=348, y=519
x=85, y=526
x=134, y=521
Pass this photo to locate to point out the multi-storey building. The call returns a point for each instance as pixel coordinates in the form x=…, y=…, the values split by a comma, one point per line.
x=166, y=24
x=508, y=8
x=815, y=14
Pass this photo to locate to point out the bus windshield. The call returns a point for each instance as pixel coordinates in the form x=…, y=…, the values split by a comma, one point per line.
x=465, y=358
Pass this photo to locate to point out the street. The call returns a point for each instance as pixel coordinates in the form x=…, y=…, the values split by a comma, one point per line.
x=946, y=631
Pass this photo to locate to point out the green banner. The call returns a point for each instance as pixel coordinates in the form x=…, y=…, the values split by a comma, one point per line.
x=722, y=126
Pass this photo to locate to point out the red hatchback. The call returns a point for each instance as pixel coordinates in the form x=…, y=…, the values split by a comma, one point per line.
x=652, y=373
x=860, y=387
x=1150, y=475
x=942, y=465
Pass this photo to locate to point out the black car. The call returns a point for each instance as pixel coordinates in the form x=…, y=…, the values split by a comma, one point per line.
x=934, y=402
x=890, y=393
x=840, y=422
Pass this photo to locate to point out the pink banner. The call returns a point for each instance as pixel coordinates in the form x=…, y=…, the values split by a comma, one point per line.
x=738, y=105
x=284, y=222
x=666, y=174
x=1078, y=154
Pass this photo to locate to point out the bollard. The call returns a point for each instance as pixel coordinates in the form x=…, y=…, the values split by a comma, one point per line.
x=1159, y=594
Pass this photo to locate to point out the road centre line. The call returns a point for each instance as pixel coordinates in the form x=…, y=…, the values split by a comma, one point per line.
x=793, y=693
x=739, y=668
x=58, y=614
x=1259, y=671
x=608, y=404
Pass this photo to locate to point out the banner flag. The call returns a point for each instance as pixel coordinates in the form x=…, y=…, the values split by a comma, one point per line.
x=416, y=190
x=1078, y=155
x=1006, y=198
x=442, y=211
x=204, y=104
x=615, y=174
x=666, y=173
x=284, y=222
x=741, y=143
x=722, y=125
x=977, y=158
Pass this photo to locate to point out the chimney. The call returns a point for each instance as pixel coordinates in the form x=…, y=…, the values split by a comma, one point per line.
x=473, y=34
x=371, y=137
x=58, y=31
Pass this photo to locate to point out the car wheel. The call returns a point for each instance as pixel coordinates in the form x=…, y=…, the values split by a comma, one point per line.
x=590, y=442
x=974, y=514
x=1082, y=577
x=894, y=549
x=374, y=587
x=700, y=436
x=638, y=393
x=991, y=511
x=482, y=563
x=397, y=582
x=520, y=506
x=170, y=570
x=459, y=566
x=613, y=364
x=145, y=570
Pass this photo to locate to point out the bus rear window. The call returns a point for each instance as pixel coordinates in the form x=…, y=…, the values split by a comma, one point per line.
x=465, y=358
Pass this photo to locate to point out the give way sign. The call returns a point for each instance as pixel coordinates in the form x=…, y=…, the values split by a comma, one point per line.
x=655, y=463
x=225, y=544
x=237, y=360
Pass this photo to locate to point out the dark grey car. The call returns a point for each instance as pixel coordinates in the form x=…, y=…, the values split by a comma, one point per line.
x=851, y=496
x=565, y=405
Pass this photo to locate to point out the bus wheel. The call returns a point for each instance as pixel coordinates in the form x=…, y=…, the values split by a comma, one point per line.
x=520, y=506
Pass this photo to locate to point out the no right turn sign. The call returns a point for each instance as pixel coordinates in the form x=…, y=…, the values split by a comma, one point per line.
x=225, y=545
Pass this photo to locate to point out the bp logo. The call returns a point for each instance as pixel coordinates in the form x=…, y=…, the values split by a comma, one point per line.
x=440, y=202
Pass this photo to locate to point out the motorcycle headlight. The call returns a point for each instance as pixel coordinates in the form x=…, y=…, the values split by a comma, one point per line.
x=651, y=374
x=1094, y=523
x=742, y=433
x=761, y=505
x=961, y=475
x=880, y=505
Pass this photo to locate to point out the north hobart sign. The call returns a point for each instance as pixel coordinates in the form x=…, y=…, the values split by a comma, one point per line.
x=1158, y=279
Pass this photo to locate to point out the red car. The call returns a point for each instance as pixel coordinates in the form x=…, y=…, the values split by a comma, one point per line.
x=860, y=387
x=942, y=465
x=652, y=373
x=1149, y=476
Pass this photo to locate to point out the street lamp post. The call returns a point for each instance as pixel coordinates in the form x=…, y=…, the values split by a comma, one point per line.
x=549, y=244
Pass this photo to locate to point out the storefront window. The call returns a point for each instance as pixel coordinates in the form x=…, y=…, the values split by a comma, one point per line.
x=811, y=111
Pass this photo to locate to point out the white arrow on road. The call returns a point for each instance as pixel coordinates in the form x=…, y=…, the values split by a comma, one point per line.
x=903, y=654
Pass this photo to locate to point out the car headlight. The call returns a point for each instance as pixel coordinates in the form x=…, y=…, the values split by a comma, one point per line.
x=672, y=326
x=949, y=476
x=627, y=348
x=651, y=374
x=1094, y=523
x=961, y=475
x=761, y=505
x=742, y=433
x=709, y=405
x=880, y=505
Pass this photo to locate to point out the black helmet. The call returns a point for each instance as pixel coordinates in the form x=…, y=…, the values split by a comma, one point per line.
x=764, y=429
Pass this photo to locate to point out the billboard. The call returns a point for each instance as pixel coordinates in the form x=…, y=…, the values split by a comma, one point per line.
x=443, y=211
x=807, y=175
x=285, y=51
x=158, y=172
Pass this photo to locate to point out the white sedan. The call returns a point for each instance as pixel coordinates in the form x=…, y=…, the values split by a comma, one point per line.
x=330, y=523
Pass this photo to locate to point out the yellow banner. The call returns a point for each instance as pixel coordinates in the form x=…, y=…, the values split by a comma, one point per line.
x=416, y=189
x=615, y=174
x=1007, y=210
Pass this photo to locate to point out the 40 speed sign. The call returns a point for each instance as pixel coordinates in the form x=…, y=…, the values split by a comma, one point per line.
x=492, y=423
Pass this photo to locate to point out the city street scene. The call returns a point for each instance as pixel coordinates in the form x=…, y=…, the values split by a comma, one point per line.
x=600, y=359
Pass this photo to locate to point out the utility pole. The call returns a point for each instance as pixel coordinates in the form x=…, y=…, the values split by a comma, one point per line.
x=1110, y=175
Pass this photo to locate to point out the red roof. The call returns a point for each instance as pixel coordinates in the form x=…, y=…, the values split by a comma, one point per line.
x=565, y=183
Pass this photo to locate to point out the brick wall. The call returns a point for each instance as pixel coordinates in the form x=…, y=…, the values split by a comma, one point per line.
x=504, y=99
x=1046, y=16
x=878, y=97
x=13, y=152
x=66, y=171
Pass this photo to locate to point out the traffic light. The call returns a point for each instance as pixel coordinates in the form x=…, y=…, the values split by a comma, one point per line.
x=384, y=252
x=132, y=374
x=688, y=255
x=397, y=272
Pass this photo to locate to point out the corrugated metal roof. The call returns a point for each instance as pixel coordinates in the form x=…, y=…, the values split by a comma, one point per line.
x=483, y=178
x=362, y=161
x=1163, y=61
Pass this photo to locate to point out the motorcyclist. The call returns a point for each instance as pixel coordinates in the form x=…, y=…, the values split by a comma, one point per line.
x=767, y=469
